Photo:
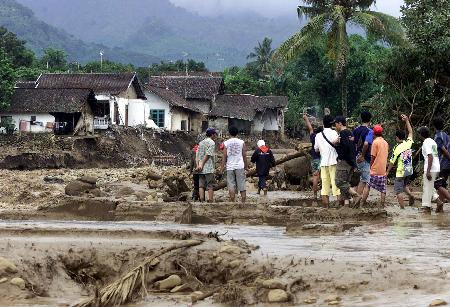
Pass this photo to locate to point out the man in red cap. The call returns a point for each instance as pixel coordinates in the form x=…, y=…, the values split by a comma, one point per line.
x=379, y=156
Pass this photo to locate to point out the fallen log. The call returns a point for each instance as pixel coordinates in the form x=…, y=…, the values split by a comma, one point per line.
x=121, y=291
x=252, y=172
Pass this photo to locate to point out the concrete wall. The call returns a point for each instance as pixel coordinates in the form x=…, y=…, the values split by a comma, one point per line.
x=138, y=112
x=44, y=118
x=130, y=93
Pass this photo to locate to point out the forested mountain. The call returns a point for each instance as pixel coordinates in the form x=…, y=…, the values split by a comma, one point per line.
x=159, y=28
x=39, y=36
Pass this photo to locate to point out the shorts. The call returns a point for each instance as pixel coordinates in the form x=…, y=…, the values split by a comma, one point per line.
x=401, y=183
x=236, y=180
x=315, y=165
x=328, y=177
x=441, y=180
x=378, y=183
x=364, y=169
x=207, y=181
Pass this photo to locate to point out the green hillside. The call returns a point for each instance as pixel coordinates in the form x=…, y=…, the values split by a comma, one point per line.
x=39, y=36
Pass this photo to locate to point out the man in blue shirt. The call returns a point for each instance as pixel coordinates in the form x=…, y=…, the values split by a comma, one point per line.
x=443, y=143
x=363, y=138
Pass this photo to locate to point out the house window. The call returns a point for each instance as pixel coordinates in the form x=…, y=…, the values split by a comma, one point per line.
x=158, y=116
x=33, y=119
x=184, y=125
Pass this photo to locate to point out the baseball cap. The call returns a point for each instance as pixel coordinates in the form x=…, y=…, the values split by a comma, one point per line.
x=210, y=131
x=377, y=130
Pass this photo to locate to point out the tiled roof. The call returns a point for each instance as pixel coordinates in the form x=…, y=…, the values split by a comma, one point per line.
x=100, y=83
x=26, y=100
x=172, y=98
x=190, y=87
x=25, y=84
x=245, y=106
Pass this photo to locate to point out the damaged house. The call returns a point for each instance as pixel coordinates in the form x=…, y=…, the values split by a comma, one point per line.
x=62, y=102
x=198, y=88
x=170, y=111
x=250, y=114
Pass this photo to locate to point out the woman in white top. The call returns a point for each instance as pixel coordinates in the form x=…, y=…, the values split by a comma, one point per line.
x=431, y=167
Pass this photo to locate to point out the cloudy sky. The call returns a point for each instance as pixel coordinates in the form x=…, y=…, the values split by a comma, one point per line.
x=268, y=8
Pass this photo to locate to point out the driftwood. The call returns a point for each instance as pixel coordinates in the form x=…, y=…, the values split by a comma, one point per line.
x=121, y=291
x=252, y=172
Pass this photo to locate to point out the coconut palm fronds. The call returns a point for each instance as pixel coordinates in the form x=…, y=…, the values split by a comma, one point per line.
x=121, y=291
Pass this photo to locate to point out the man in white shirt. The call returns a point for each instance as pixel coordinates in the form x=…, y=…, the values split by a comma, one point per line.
x=324, y=144
x=235, y=160
x=431, y=167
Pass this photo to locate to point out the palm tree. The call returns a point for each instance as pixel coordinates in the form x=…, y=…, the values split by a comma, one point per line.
x=331, y=17
x=263, y=55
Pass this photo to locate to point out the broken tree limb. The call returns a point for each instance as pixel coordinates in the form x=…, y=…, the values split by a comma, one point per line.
x=121, y=291
x=252, y=172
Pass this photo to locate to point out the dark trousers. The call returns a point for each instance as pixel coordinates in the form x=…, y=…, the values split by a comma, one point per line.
x=343, y=174
x=262, y=184
x=196, y=181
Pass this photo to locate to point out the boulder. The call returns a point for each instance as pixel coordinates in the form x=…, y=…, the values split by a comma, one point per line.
x=7, y=267
x=438, y=302
x=169, y=283
x=332, y=298
x=277, y=296
x=19, y=282
x=273, y=284
x=298, y=168
x=235, y=264
x=88, y=179
x=229, y=249
x=78, y=188
x=4, y=279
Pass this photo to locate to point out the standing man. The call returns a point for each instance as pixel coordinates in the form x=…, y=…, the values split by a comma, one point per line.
x=206, y=159
x=235, y=160
x=402, y=158
x=379, y=156
x=315, y=156
x=363, y=139
x=346, y=161
x=264, y=159
x=431, y=167
x=443, y=145
x=324, y=144
x=194, y=173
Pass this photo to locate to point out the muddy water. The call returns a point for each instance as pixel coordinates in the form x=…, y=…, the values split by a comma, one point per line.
x=422, y=243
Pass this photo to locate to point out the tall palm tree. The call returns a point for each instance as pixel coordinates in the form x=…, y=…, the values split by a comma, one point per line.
x=331, y=17
x=263, y=55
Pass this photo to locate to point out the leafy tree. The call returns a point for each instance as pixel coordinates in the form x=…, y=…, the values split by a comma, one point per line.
x=331, y=17
x=7, y=79
x=262, y=56
x=239, y=81
x=15, y=49
x=54, y=59
x=107, y=67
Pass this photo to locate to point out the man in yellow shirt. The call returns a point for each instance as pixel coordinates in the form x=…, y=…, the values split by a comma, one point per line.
x=402, y=158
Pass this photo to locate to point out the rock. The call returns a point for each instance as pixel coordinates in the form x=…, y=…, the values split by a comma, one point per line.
x=4, y=279
x=19, y=282
x=196, y=294
x=232, y=250
x=235, y=264
x=52, y=179
x=277, y=296
x=125, y=191
x=273, y=284
x=341, y=287
x=154, y=262
x=311, y=300
x=181, y=288
x=78, y=188
x=438, y=302
x=89, y=179
x=332, y=298
x=219, y=260
x=7, y=267
x=333, y=303
x=169, y=283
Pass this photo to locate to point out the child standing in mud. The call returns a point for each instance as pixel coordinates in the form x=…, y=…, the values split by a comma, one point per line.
x=315, y=156
x=264, y=159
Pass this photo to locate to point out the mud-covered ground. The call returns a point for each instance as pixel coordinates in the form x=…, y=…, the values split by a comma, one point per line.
x=67, y=244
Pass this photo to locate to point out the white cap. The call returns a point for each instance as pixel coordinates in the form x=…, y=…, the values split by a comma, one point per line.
x=261, y=143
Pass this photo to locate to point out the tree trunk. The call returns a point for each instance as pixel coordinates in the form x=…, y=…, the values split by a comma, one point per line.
x=344, y=94
x=252, y=172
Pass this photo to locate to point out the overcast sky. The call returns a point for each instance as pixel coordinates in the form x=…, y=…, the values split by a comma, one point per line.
x=268, y=8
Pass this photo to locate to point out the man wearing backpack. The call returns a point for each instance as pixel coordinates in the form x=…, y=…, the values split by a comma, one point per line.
x=443, y=144
x=324, y=144
x=402, y=159
x=363, y=138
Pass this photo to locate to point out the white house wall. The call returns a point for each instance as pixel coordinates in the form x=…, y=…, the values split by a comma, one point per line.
x=44, y=118
x=270, y=120
x=177, y=117
x=138, y=112
x=156, y=103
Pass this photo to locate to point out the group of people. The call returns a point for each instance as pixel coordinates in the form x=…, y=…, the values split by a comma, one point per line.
x=339, y=154
x=234, y=162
